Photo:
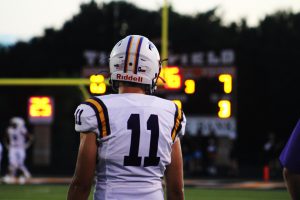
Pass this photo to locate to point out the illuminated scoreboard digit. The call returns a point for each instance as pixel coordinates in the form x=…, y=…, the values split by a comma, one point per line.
x=190, y=86
x=224, y=108
x=211, y=93
x=171, y=78
x=97, y=84
x=40, y=109
x=202, y=91
x=225, y=105
x=227, y=80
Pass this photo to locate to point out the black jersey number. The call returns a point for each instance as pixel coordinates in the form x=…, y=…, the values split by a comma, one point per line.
x=133, y=124
x=78, y=116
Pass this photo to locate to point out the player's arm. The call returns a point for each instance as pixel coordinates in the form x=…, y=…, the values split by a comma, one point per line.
x=85, y=168
x=174, y=174
x=29, y=140
x=292, y=182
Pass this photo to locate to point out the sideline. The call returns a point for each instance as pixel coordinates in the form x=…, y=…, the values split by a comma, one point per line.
x=196, y=183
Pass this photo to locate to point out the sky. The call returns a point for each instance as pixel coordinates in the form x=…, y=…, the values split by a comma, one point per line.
x=24, y=19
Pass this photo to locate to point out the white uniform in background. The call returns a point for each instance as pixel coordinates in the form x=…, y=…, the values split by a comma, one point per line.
x=17, y=137
x=124, y=123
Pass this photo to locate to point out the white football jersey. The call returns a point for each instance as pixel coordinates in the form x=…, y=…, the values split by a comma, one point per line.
x=17, y=137
x=135, y=136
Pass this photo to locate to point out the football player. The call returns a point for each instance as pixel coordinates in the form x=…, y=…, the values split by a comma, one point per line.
x=17, y=140
x=290, y=160
x=130, y=140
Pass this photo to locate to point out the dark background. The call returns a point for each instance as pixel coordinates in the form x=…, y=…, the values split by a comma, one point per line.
x=267, y=60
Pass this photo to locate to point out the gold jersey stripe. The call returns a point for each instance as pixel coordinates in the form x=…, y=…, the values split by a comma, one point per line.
x=101, y=115
x=177, y=123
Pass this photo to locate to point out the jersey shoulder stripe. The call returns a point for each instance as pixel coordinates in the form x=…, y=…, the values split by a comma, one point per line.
x=96, y=114
x=177, y=122
x=78, y=113
x=101, y=114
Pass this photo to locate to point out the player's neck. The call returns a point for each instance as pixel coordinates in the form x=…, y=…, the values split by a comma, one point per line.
x=127, y=89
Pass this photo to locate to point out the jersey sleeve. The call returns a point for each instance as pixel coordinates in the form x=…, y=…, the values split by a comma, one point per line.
x=85, y=119
x=179, y=124
x=289, y=157
x=181, y=132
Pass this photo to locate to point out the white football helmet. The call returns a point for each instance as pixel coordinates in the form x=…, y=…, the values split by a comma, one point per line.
x=18, y=121
x=135, y=59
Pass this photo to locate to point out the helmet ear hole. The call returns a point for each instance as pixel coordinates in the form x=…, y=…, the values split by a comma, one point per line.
x=114, y=85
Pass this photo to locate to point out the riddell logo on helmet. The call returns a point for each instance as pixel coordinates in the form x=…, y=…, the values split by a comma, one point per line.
x=129, y=78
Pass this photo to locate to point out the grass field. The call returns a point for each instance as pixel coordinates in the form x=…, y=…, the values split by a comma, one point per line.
x=58, y=192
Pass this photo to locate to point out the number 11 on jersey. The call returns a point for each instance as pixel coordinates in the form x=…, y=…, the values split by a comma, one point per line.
x=133, y=124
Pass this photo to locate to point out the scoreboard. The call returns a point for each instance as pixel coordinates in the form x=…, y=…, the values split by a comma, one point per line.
x=206, y=91
x=206, y=94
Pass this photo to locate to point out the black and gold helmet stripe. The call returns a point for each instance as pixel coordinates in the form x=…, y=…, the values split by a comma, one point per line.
x=177, y=122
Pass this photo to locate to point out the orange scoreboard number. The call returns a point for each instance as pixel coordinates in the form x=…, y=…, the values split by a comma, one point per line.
x=172, y=77
x=40, y=109
x=225, y=105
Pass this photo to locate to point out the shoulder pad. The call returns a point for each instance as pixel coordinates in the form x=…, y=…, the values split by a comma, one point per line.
x=85, y=119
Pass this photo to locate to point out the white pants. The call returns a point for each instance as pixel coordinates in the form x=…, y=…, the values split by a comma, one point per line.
x=128, y=192
x=16, y=158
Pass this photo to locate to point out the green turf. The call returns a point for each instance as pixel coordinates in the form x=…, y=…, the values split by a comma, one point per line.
x=231, y=194
x=58, y=192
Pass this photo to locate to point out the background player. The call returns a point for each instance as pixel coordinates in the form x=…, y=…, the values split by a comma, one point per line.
x=290, y=160
x=131, y=139
x=17, y=141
